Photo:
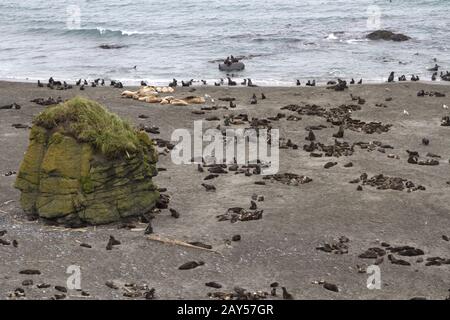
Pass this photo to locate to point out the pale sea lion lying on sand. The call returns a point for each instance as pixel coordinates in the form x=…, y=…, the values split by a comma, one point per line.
x=150, y=94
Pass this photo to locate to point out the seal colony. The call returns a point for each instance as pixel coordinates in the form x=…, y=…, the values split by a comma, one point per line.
x=360, y=183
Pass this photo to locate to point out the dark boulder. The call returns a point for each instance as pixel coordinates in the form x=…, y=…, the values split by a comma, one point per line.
x=387, y=35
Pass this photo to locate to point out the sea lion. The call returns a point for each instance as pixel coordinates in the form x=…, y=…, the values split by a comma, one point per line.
x=145, y=91
x=153, y=99
x=179, y=102
x=194, y=100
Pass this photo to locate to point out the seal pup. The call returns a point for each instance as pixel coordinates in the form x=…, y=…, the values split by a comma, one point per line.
x=254, y=100
x=391, y=77
x=340, y=133
x=217, y=84
x=263, y=96
x=434, y=76
x=185, y=84
x=143, y=83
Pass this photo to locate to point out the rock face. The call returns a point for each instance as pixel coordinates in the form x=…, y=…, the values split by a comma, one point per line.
x=387, y=35
x=85, y=165
x=236, y=66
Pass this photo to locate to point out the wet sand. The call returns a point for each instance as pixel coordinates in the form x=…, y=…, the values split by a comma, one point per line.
x=280, y=247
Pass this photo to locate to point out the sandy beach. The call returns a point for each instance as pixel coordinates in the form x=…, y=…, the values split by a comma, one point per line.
x=282, y=246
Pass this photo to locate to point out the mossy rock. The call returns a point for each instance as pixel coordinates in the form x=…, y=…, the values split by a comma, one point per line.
x=86, y=165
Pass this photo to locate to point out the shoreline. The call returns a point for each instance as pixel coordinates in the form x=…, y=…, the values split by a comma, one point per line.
x=136, y=83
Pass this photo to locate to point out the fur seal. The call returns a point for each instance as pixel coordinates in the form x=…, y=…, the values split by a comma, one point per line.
x=231, y=82
x=40, y=85
x=435, y=68
x=391, y=77
x=298, y=83
x=174, y=83
x=250, y=83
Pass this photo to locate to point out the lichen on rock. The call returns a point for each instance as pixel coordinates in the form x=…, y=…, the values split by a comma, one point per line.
x=85, y=165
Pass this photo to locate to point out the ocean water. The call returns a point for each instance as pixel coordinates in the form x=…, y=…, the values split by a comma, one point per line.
x=284, y=40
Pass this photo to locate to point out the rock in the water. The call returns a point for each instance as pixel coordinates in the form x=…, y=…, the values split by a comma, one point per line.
x=387, y=35
x=85, y=165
